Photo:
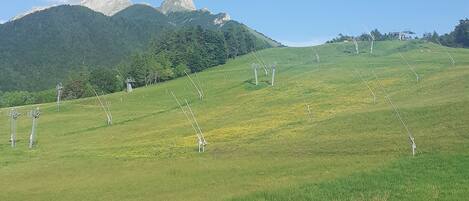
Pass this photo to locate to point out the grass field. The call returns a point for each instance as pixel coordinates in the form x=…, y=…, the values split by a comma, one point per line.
x=263, y=142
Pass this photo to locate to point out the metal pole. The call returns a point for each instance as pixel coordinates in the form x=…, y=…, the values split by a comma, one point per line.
x=201, y=96
x=356, y=46
x=59, y=94
x=398, y=114
x=367, y=85
x=261, y=61
x=199, y=83
x=13, y=132
x=202, y=138
x=414, y=146
x=254, y=66
x=31, y=137
x=129, y=87
x=410, y=67
x=372, y=42
x=447, y=53
x=35, y=113
x=109, y=118
x=14, y=114
x=273, y=74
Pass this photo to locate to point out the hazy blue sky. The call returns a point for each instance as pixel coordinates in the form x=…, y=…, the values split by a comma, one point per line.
x=306, y=22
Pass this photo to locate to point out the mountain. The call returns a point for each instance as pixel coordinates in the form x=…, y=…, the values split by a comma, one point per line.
x=33, y=10
x=42, y=48
x=111, y=7
x=107, y=7
x=169, y=6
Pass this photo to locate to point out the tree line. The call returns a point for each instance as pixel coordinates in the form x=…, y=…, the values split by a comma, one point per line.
x=459, y=37
x=185, y=50
x=378, y=36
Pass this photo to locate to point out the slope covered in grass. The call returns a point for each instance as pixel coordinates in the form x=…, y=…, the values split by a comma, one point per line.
x=263, y=142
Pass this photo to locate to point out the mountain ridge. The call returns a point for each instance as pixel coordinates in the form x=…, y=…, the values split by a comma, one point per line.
x=65, y=38
x=112, y=7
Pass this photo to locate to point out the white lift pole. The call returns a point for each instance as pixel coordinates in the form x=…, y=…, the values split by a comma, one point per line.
x=372, y=42
x=14, y=114
x=34, y=114
x=399, y=117
x=318, y=60
x=201, y=94
x=199, y=84
x=261, y=61
x=367, y=85
x=105, y=108
x=129, y=82
x=273, y=73
x=201, y=139
x=356, y=45
x=59, y=89
x=254, y=67
x=447, y=53
x=410, y=67
x=191, y=118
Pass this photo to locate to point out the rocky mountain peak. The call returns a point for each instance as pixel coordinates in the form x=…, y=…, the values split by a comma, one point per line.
x=107, y=7
x=169, y=6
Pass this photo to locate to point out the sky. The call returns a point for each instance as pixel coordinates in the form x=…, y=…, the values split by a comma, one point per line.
x=312, y=22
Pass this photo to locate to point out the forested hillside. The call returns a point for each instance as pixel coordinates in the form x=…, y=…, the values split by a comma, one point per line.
x=42, y=49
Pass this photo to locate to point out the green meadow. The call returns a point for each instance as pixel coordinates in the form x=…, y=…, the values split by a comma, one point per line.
x=263, y=141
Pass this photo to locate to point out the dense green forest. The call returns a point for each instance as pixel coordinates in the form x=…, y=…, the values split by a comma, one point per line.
x=185, y=50
x=84, y=49
x=457, y=38
x=43, y=48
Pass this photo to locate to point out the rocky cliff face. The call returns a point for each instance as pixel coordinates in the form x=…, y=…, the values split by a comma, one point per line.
x=111, y=7
x=220, y=21
x=108, y=7
x=169, y=6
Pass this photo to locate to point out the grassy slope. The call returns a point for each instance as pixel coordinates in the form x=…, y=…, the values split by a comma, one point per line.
x=260, y=138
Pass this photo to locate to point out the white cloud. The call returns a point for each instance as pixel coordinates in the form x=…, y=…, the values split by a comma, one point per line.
x=2, y=21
